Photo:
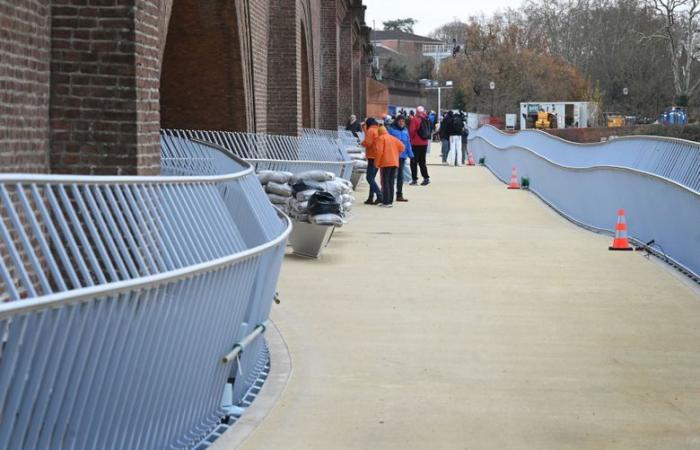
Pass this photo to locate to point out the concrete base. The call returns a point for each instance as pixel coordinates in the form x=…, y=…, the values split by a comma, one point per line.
x=308, y=239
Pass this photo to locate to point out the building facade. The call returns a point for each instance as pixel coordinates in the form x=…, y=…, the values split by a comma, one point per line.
x=86, y=86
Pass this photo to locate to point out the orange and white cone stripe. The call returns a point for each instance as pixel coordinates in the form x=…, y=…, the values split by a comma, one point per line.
x=470, y=158
x=514, y=179
x=621, y=242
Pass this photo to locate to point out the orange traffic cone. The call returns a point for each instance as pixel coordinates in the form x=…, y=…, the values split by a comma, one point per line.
x=514, y=179
x=470, y=159
x=621, y=242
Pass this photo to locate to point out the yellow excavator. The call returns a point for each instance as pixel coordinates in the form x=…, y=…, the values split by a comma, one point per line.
x=614, y=120
x=544, y=120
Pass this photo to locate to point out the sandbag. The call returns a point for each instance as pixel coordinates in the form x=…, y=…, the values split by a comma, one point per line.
x=326, y=219
x=312, y=175
x=284, y=190
x=305, y=185
x=323, y=203
x=347, y=206
x=277, y=199
x=304, y=196
x=275, y=176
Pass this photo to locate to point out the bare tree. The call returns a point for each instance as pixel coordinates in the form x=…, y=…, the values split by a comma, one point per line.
x=680, y=31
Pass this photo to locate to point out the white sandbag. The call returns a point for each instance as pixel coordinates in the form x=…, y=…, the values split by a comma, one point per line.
x=347, y=198
x=327, y=219
x=336, y=188
x=347, y=206
x=304, y=196
x=284, y=190
x=360, y=164
x=275, y=176
x=312, y=175
x=277, y=199
x=301, y=207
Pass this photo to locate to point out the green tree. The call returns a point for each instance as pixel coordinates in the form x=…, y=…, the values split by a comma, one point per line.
x=405, y=25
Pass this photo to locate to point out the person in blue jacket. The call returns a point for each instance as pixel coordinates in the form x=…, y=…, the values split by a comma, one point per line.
x=399, y=130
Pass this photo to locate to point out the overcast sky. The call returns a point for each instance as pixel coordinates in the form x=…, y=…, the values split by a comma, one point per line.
x=430, y=13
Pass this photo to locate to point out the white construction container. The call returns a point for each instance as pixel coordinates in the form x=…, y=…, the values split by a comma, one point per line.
x=565, y=114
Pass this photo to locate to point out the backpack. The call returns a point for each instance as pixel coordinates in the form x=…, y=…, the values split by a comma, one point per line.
x=457, y=124
x=425, y=129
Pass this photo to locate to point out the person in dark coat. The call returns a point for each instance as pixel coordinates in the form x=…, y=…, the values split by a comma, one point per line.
x=353, y=125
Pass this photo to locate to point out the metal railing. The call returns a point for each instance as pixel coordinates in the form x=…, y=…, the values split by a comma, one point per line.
x=658, y=208
x=675, y=159
x=275, y=152
x=122, y=296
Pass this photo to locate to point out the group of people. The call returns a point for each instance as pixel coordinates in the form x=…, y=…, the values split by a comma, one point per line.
x=387, y=147
x=390, y=142
x=453, y=134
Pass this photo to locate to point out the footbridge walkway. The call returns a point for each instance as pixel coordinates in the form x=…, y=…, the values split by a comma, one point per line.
x=477, y=317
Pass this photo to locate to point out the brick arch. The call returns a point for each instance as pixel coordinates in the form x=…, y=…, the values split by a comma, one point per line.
x=202, y=81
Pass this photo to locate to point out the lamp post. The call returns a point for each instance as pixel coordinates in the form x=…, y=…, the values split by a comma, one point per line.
x=625, y=93
x=435, y=85
x=492, y=87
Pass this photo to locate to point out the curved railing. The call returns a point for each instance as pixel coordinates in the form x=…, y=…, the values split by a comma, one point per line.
x=675, y=159
x=123, y=295
x=275, y=152
x=658, y=208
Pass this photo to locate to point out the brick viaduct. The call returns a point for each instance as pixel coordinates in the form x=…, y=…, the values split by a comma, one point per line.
x=85, y=85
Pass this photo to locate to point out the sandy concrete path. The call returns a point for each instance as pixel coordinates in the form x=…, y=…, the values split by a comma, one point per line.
x=474, y=317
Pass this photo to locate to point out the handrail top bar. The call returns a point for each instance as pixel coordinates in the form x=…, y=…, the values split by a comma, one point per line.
x=118, y=287
x=299, y=161
x=120, y=179
x=588, y=144
x=134, y=179
x=594, y=167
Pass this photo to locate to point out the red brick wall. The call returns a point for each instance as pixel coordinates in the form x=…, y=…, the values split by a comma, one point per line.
x=24, y=85
x=328, y=97
x=97, y=90
x=202, y=84
x=80, y=80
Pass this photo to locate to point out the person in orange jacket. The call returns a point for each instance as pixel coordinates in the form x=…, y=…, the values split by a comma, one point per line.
x=370, y=128
x=388, y=151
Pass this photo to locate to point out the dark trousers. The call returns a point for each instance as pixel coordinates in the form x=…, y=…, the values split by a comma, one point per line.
x=388, y=182
x=371, y=175
x=419, y=152
x=399, y=178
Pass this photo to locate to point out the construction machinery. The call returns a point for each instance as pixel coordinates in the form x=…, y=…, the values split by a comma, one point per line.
x=544, y=120
x=614, y=120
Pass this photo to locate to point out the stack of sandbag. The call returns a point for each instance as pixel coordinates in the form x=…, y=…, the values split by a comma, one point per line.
x=313, y=188
x=276, y=185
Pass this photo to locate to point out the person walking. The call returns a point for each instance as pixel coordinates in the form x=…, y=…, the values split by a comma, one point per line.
x=454, y=131
x=419, y=131
x=371, y=129
x=445, y=136
x=388, y=152
x=465, y=140
x=399, y=131
x=353, y=125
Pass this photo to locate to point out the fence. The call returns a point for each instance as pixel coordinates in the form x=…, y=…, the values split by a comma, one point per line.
x=274, y=152
x=675, y=159
x=585, y=185
x=122, y=295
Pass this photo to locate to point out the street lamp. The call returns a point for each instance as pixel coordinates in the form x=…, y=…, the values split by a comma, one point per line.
x=434, y=84
x=492, y=86
x=625, y=93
